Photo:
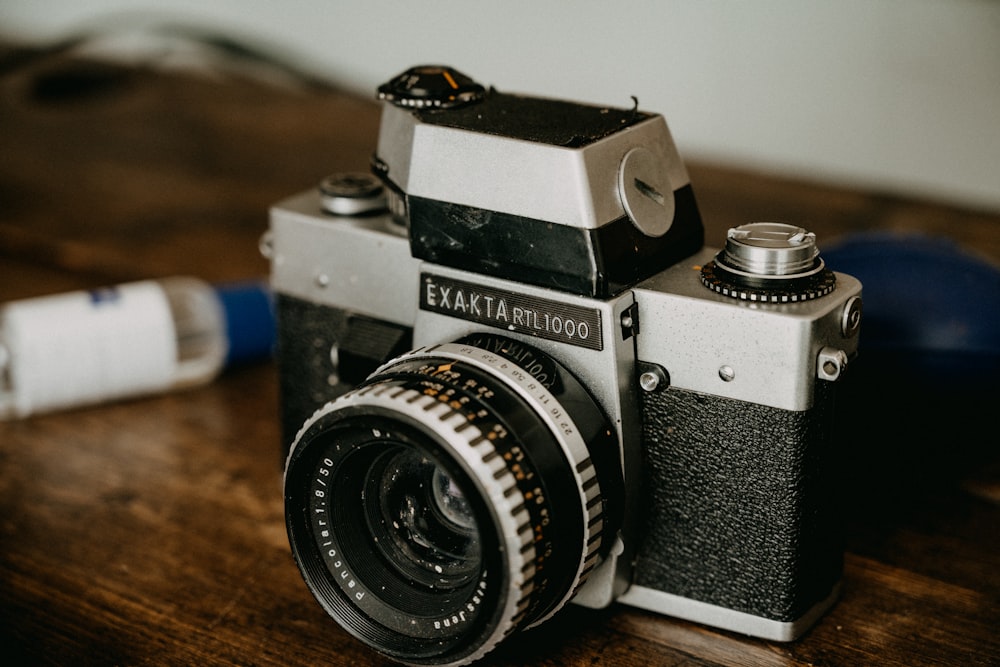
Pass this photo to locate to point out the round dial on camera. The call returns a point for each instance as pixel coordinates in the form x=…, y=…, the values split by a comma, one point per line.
x=645, y=191
x=431, y=87
x=769, y=262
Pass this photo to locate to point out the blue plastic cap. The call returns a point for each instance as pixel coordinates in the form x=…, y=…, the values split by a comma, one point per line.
x=930, y=306
x=250, y=323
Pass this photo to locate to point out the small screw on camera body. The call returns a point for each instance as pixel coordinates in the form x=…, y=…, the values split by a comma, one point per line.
x=653, y=378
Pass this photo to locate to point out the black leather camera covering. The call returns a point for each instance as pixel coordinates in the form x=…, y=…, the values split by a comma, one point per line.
x=307, y=376
x=741, y=503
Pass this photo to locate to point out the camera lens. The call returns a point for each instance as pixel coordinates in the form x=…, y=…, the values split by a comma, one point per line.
x=463, y=492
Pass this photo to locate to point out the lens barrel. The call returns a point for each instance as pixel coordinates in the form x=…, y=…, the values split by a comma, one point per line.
x=463, y=492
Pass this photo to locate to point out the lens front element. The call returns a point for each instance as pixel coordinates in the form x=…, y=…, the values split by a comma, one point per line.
x=451, y=499
x=421, y=522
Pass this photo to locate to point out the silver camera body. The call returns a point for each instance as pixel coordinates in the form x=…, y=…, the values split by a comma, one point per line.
x=521, y=238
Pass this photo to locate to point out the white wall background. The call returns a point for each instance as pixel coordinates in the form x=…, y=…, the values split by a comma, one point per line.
x=900, y=95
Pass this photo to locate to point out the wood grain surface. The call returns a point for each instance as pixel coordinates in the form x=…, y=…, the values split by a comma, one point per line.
x=151, y=531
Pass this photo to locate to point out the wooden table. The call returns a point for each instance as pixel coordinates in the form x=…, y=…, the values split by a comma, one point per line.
x=151, y=531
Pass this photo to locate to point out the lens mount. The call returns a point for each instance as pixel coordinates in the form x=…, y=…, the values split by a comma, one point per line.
x=452, y=499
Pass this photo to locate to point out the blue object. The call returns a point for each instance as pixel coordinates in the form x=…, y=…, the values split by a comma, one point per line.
x=250, y=323
x=931, y=309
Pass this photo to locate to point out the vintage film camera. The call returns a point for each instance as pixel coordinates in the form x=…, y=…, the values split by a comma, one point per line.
x=512, y=377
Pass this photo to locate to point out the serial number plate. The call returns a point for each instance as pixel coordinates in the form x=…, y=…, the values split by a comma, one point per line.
x=518, y=313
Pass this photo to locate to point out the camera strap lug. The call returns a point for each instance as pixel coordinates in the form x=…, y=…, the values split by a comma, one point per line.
x=630, y=321
x=830, y=364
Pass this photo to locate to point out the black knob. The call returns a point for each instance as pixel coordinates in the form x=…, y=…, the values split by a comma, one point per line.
x=431, y=87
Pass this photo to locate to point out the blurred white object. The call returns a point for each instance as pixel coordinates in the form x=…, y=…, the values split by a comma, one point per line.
x=86, y=347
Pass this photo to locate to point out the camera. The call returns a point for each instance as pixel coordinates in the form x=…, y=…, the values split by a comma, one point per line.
x=512, y=377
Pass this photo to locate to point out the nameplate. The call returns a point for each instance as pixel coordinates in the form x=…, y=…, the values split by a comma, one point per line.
x=511, y=311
